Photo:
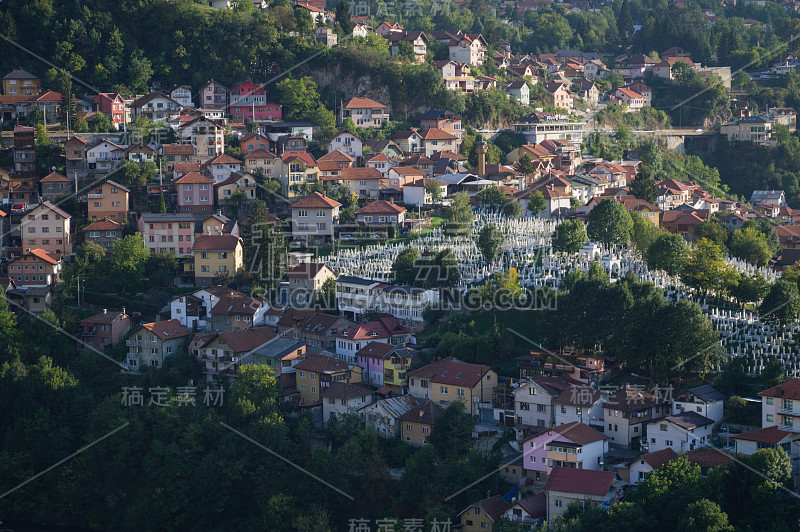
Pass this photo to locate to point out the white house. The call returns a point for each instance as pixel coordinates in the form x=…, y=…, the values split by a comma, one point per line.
x=533, y=403
x=104, y=156
x=346, y=142
x=681, y=433
x=705, y=400
x=415, y=194
x=183, y=95
x=342, y=398
x=194, y=309
x=775, y=197
x=222, y=166
x=640, y=466
x=748, y=443
x=583, y=404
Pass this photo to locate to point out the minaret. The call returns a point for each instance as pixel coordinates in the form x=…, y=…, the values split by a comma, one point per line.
x=481, y=158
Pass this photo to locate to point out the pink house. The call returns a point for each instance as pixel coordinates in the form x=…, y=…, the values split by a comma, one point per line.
x=572, y=445
x=249, y=101
x=195, y=193
x=213, y=95
x=370, y=358
x=164, y=233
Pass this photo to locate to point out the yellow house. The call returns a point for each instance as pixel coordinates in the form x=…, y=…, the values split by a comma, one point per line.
x=296, y=170
x=216, y=255
x=319, y=371
x=448, y=380
x=417, y=424
x=109, y=200
x=482, y=515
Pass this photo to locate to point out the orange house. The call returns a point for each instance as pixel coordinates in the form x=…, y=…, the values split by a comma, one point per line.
x=109, y=200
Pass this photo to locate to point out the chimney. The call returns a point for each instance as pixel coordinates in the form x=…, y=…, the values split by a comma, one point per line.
x=481, y=158
x=105, y=311
x=124, y=312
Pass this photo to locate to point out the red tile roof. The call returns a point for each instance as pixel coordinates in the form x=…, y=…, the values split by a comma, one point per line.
x=427, y=413
x=191, y=178
x=223, y=159
x=336, y=155
x=787, y=389
x=359, y=173
x=167, y=329
x=315, y=200
x=308, y=270
x=305, y=157
x=186, y=167
x=580, y=433
x=237, y=305
x=216, y=243
x=103, y=225
x=582, y=481
x=363, y=103
x=656, y=459
x=54, y=177
x=323, y=364
x=177, y=149
x=453, y=372
x=246, y=340
x=385, y=327
x=437, y=134
x=345, y=390
x=709, y=457
x=260, y=154
x=39, y=254
x=381, y=207
x=771, y=435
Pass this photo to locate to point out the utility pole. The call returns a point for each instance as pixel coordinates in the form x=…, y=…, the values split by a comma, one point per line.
x=79, y=291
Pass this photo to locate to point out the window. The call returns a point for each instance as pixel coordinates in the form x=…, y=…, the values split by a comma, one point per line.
x=302, y=214
x=668, y=443
x=770, y=418
x=541, y=408
x=770, y=400
x=558, y=503
x=663, y=427
x=523, y=406
x=443, y=390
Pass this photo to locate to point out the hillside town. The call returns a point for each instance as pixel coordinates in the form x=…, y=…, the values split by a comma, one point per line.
x=506, y=266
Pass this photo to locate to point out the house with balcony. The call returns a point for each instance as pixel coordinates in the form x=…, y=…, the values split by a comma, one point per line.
x=387, y=330
x=417, y=39
x=386, y=364
x=383, y=415
x=468, y=48
x=628, y=412
x=243, y=182
x=305, y=281
x=348, y=143
x=165, y=233
x=482, y=515
x=103, y=232
x=46, y=227
x=111, y=104
x=584, y=487
x=755, y=130
x=177, y=154
x=449, y=379
x=318, y=372
x=49, y=104
x=529, y=403
x=747, y=443
x=35, y=268
x=683, y=432
x=104, y=156
x=55, y=186
x=195, y=194
x=105, y=329
x=436, y=140
x=295, y=170
x=314, y=218
x=109, y=200
x=182, y=94
x=207, y=137
x=152, y=343
x=780, y=406
x=213, y=95
x=221, y=167
x=140, y=153
x=20, y=82
x=572, y=445
x=261, y=161
x=580, y=403
x=355, y=296
x=364, y=112
x=194, y=310
x=704, y=400
x=312, y=327
x=380, y=214
x=157, y=107
x=231, y=313
x=216, y=255
x=586, y=368
x=344, y=398
x=224, y=353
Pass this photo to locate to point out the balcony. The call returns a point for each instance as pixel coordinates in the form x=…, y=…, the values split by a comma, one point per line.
x=133, y=342
x=790, y=428
x=95, y=196
x=787, y=411
x=88, y=331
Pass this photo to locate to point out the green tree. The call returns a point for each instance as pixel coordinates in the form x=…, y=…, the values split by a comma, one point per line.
x=236, y=201
x=525, y=165
x=102, y=123
x=434, y=188
x=704, y=516
x=459, y=215
x=162, y=203
x=644, y=186
x=651, y=155
x=781, y=305
x=705, y=267
x=342, y=13
x=128, y=259
x=512, y=208
x=404, y=267
x=536, y=203
x=750, y=288
x=161, y=268
x=751, y=245
x=326, y=297
x=452, y=434
x=490, y=242
x=610, y=223
x=257, y=385
x=569, y=236
x=668, y=253
x=625, y=20
x=713, y=231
